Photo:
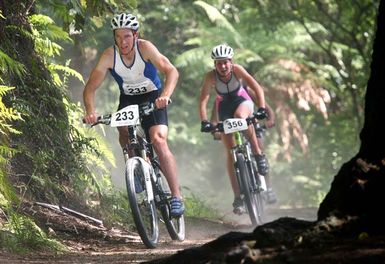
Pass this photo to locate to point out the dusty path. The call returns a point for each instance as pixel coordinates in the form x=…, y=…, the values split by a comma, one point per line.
x=127, y=248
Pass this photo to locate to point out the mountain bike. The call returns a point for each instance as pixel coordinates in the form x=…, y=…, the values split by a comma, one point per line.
x=250, y=182
x=147, y=188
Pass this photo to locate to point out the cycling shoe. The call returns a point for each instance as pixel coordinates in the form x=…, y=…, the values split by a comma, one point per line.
x=271, y=198
x=262, y=164
x=177, y=207
x=238, y=206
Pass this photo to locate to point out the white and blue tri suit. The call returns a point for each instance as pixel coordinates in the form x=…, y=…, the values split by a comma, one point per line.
x=138, y=83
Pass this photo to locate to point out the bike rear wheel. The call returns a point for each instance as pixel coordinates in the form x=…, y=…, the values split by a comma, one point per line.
x=175, y=226
x=143, y=209
x=247, y=189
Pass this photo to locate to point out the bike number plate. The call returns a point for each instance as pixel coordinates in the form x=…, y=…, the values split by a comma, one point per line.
x=232, y=125
x=128, y=116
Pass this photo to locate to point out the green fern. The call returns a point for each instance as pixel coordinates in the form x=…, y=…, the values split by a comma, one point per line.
x=21, y=233
x=220, y=22
x=6, y=116
x=54, y=68
x=9, y=66
x=44, y=32
x=58, y=158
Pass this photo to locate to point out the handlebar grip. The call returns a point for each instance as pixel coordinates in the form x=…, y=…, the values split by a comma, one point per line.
x=168, y=102
x=216, y=128
x=102, y=119
x=84, y=120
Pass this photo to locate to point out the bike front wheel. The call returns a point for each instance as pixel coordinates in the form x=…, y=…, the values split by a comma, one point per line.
x=141, y=201
x=247, y=189
x=259, y=195
x=175, y=226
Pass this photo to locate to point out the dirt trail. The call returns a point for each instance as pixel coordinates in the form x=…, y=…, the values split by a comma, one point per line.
x=121, y=247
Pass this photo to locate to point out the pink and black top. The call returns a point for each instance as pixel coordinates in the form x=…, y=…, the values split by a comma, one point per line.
x=230, y=95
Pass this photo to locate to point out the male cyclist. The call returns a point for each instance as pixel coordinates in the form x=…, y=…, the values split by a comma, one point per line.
x=234, y=102
x=133, y=63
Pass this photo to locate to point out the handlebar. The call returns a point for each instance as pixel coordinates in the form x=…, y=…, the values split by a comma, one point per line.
x=250, y=120
x=145, y=109
x=103, y=119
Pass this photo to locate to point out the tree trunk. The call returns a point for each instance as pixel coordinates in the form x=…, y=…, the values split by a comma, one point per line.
x=358, y=188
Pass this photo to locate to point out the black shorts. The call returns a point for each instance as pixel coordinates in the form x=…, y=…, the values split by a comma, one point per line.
x=158, y=117
x=227, y=107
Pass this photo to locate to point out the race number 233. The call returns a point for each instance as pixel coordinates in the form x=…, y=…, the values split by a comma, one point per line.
x=123, y=116
x=127, y=116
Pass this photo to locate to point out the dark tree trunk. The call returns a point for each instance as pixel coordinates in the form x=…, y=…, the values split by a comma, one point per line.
x=358, y=188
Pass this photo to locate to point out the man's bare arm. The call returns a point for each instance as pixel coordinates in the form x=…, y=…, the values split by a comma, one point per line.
x=95, y=80
x=162, y=63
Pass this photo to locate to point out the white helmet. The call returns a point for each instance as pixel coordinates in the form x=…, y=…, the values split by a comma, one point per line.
x=222, y=52
x=125, y=20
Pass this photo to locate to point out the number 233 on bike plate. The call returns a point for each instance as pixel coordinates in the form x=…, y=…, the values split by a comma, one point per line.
x=127, y=116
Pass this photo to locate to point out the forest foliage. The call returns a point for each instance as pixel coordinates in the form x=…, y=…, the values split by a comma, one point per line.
x=312, y=57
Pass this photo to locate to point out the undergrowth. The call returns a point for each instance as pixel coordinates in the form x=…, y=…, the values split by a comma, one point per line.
x=20, y=234
x=198, y=207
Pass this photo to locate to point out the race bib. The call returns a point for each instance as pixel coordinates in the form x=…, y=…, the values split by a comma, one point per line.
x=128, y=116
x=232, y=125
x=138, y=88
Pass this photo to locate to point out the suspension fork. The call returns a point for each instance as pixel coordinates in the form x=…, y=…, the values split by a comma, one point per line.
x=234, y=151
x=238, y=142
x=136, y=145
x=249, y=159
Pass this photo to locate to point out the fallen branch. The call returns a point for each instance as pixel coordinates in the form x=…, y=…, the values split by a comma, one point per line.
x=71, y=212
